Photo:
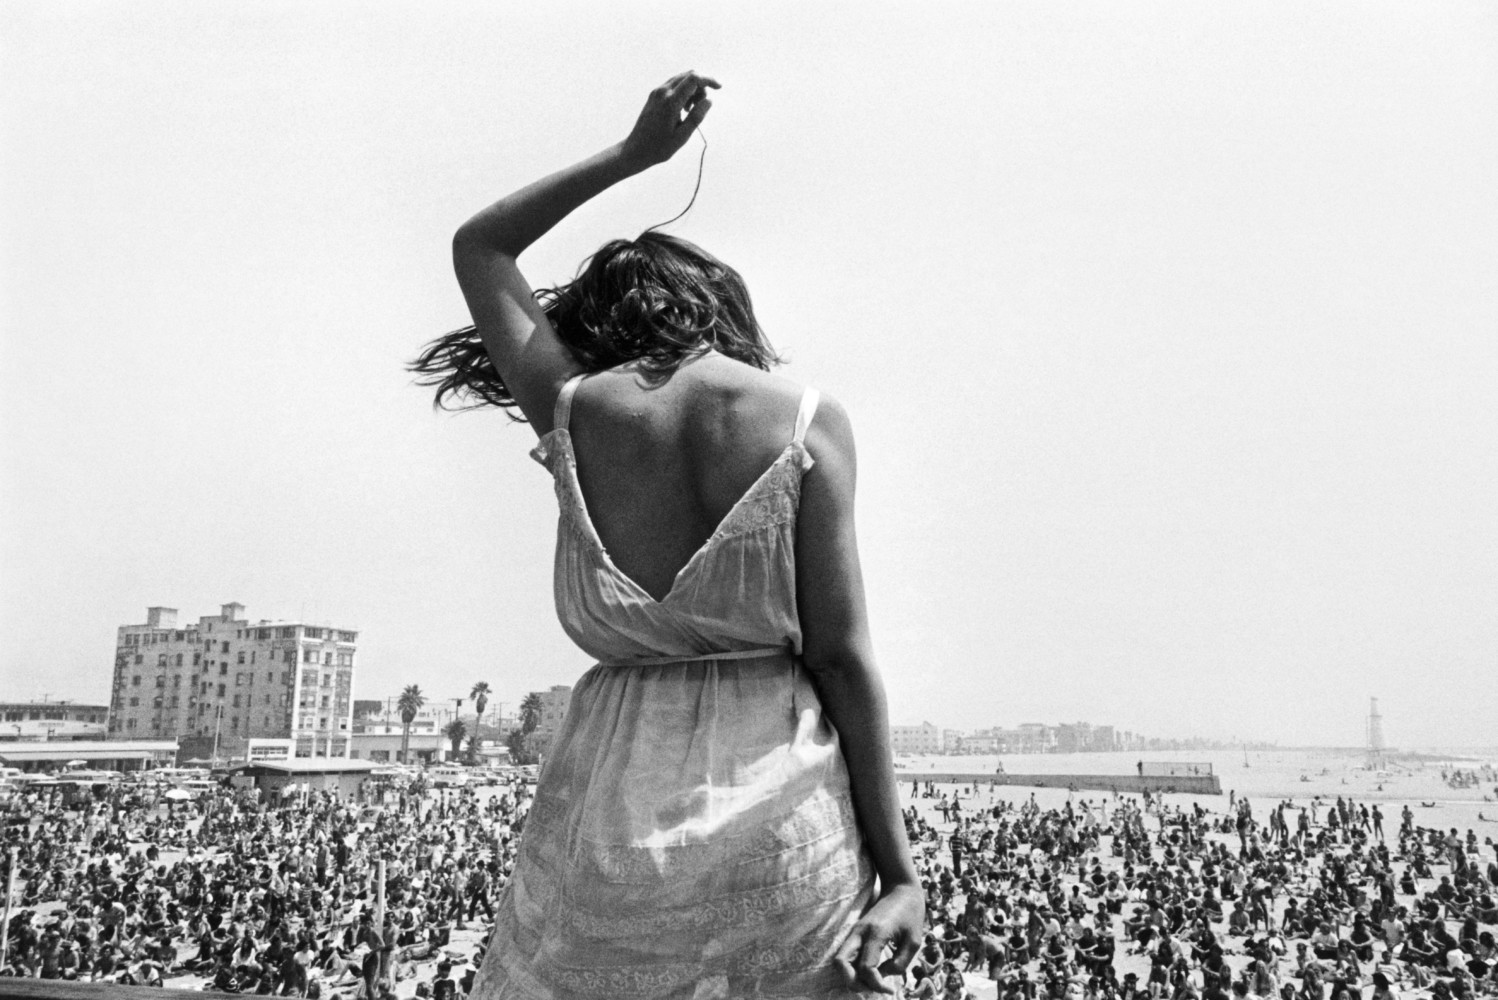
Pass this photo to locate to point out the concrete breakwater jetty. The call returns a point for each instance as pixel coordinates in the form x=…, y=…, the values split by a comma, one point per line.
x=1128, y=784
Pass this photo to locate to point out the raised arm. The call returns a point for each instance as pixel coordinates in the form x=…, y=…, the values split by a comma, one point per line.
x=520, y=341
x=840, y=658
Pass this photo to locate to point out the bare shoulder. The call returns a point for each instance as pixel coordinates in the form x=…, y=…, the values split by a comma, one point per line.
x=830, y=436
x=739, y=405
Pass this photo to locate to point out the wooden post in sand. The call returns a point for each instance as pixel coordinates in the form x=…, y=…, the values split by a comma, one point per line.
x=10, y=890
x=379, y=919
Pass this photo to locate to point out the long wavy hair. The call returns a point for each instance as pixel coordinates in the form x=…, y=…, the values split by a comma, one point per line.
x=657, y=300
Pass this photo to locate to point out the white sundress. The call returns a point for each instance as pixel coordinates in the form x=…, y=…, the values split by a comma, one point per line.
x=692, y=834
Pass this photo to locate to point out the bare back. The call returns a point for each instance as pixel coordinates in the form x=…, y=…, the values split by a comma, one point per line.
x=661, y=466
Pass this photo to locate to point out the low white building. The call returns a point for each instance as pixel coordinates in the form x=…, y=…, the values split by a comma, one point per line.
x=924, y=738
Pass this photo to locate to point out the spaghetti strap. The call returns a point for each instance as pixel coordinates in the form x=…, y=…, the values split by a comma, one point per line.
x=563, y=411
x=809, y=400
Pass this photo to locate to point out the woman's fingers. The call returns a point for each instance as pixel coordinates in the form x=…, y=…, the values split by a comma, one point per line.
x=868, y=961
x=680, y=87
x=897, y=963
x=699, y=111
x=858, y=958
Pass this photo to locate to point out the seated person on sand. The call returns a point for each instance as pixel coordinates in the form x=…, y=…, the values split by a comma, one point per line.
x=1238, y=919
x=1416, y=951
x=1324, y=942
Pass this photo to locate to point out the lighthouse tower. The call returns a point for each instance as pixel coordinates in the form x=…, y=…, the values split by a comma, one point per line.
x=1375, y=736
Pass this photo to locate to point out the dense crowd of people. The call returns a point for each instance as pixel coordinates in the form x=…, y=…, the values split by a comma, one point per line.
x=270, y=901
x=1102, y=898
x=1307, y=902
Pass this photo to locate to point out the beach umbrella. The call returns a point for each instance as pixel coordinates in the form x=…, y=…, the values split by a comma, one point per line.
x=177, y=795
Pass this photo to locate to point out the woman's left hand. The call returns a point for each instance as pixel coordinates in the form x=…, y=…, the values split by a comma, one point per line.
x=896, y=922
x=661, y=130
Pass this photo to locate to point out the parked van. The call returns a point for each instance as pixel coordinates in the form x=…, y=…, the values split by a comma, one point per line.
x=449, y=777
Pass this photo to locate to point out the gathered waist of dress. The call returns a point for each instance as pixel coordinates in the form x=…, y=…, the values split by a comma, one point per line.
x=734, y=654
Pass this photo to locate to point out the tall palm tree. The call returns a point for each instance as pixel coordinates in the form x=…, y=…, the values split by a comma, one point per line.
x=410, y=703
x=480, y=696
x=530, y=713
x=455, y=731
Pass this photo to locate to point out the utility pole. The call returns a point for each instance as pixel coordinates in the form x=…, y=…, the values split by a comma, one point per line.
x=457, y=716
x=218, y=720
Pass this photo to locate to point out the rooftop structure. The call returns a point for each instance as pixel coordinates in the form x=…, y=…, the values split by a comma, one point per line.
x=52, y=720
x=120, y=755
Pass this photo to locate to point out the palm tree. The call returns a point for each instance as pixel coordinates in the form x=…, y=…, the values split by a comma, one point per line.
x=455, y=731
x=480, y=696
x=530, y=713
x=410, y=703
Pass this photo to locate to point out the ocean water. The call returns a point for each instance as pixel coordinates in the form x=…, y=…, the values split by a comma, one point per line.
x=1272, y=776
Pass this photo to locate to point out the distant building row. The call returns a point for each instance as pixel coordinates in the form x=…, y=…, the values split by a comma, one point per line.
x=1030, y=737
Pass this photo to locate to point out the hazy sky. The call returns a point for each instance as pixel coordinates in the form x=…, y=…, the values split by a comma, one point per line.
x=1169, y=331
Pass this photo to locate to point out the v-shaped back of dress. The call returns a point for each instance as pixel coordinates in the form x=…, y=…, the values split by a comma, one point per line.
x=736, y=595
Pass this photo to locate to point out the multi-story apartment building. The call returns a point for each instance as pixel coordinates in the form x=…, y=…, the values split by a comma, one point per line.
x=228, y=679
x=553, y=710
x=924, y=738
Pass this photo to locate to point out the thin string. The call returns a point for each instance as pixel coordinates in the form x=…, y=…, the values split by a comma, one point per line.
x=697, y=187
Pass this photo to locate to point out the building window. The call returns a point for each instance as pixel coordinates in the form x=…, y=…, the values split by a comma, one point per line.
x=179, y=659
x=221, y=690
x=135, y=681
x=161, y=680
x=223, y=669
x=312, y=633
x=234, y=723
x=161, y=660
x=134, y=702
x=129, y=723
x=176, y=680
x=140, y=658
x=197, y=658
x=241, y=656
x=236, y=701
x=348, y=636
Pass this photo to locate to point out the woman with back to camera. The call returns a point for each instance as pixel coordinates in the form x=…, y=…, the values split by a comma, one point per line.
x=711, y=818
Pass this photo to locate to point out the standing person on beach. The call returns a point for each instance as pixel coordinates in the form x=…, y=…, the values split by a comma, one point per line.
x=712, y=817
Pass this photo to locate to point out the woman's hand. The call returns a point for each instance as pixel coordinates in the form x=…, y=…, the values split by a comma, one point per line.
x=661, y=129
x=896, y=921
